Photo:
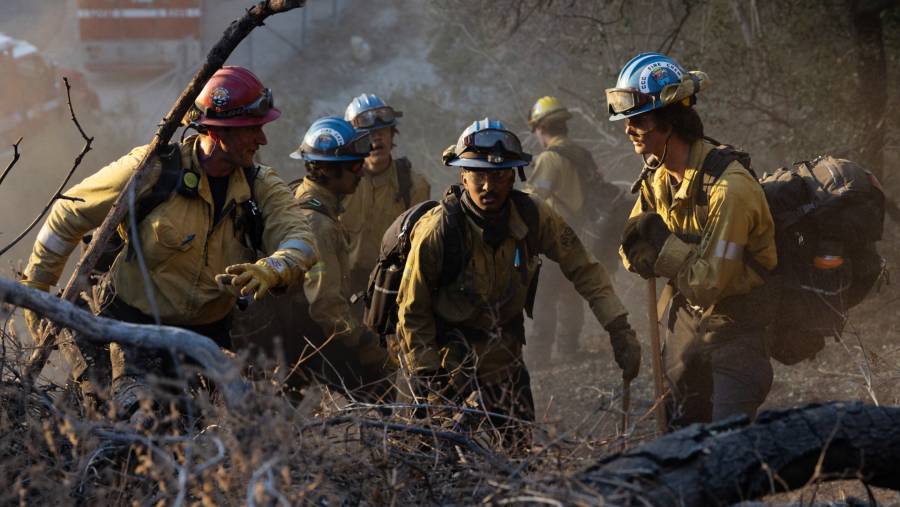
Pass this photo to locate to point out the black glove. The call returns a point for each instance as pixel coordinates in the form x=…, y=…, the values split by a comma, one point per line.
x=648, y=227
x=651, y=228
x=642, y=257
x=626, y=347
x=630, y=233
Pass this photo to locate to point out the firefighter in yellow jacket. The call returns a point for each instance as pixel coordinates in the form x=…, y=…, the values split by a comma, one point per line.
x=351, y=356
x=555, y=178
x=701, y=221
x=388, y=187
x=466, y=333
x=209, y=222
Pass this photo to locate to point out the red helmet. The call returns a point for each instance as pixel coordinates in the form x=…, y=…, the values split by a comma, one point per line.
x=235, y=97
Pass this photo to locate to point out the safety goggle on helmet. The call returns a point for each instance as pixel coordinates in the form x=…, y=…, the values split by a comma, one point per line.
x=258, y=108
x=332, y=139
x=368, y=111
x=486, y=144
x=234, y=97
x=650, y=81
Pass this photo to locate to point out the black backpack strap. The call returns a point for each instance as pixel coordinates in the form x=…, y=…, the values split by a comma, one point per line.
x=254, y=223
x=170, y=157
x=162, y=190
x=528, y=210
x=404, y=181
x=456, y=255
x=715, y=163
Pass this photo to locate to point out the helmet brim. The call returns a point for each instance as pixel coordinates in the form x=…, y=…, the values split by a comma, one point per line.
x=329, y=158
x=242, y=121
x=475, y=163
x=634, y=112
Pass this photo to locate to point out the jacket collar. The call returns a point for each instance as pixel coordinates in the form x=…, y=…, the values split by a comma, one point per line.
x=386, y=177
x=238, y=188
x=696, y=156
x=311, y=190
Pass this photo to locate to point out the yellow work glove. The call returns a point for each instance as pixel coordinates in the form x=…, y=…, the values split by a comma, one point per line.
x=33, y=320
x=258, y=279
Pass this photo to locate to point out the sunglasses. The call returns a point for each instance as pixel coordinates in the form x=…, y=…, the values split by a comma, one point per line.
x=497, y=176
x=258, y=108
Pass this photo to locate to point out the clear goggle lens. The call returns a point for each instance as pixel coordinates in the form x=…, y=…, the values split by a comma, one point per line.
x=374, y=117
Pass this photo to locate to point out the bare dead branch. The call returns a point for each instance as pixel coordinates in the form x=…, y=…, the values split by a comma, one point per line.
x=204, y=351
x=234, y=34
x=12, y=162
x=58, y=194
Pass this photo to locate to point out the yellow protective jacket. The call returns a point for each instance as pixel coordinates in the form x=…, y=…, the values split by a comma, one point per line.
x=370, y=210
x=182, y=248
x=556, y=180
x=737, y=223
x=491, y=290
x=326, y=286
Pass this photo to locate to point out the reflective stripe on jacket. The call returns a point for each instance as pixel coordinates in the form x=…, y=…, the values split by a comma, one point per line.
x=738, y=223
x=181, y=246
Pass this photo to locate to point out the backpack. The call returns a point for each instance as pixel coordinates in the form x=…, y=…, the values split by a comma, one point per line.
x=249, y=224
x=384, y=282
x=404, y=181
x=605, y=208
x=824, y=209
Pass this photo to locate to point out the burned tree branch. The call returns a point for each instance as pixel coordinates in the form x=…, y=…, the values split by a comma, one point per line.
x=728, y=462
x=142, y=177
x=199, y=348
x=12, y=162
x=58, y=194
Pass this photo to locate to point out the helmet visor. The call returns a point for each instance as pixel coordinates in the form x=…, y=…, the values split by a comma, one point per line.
x=360, y=146
x=374, y=117
x=258, y=108
x=622, y=100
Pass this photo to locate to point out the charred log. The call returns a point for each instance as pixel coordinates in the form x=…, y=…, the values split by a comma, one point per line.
x=732, y=461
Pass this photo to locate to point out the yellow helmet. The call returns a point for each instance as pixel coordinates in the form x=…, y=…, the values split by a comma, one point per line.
x=547, y=107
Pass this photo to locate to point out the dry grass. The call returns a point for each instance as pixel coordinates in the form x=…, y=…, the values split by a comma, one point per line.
x=323, y=449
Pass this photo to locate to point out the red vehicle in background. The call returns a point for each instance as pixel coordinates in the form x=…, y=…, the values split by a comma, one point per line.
x=33, y=94
x=139, y=35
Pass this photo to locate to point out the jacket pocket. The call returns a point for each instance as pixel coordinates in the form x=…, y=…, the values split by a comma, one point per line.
x=165, y=240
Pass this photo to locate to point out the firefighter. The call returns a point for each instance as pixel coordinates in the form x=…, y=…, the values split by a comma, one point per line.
x=556, y=178
x=352, y=357
x=712, y=238
x=466, y=334
x=389, y=186
x=221, y=208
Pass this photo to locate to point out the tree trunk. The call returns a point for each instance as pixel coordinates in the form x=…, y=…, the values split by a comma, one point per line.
x=728, y=462
x=871, y=68
x=218, y=366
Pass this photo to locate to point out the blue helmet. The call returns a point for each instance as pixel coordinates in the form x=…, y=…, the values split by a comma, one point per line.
x=650, y=81
x=332, y=139
x=486, y=144
x=370, y=112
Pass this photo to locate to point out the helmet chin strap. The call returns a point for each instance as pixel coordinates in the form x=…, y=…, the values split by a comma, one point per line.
x=649, y=168
x=659, y=160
